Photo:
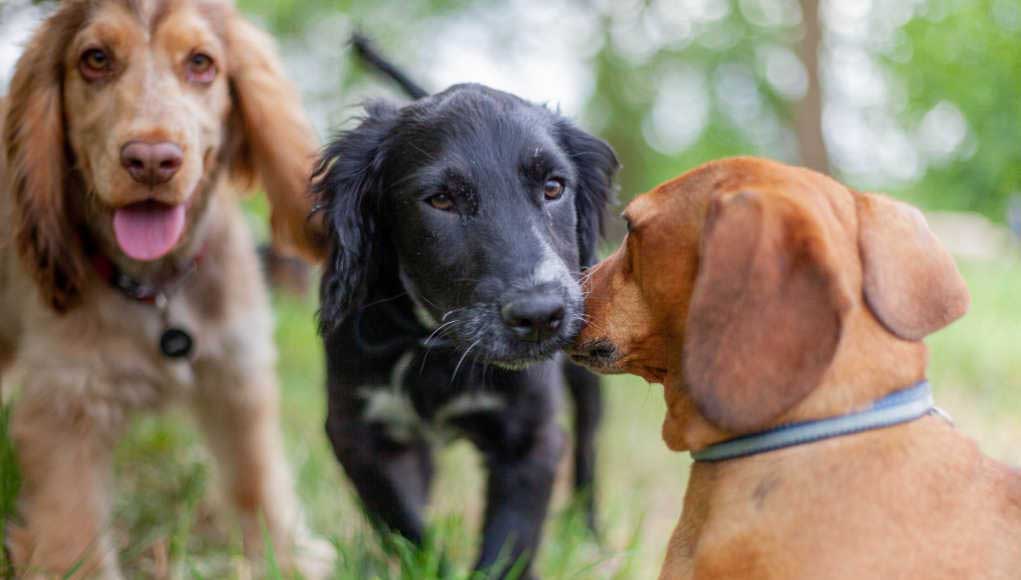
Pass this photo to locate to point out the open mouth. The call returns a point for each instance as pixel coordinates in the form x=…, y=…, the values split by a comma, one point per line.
x=148, y=230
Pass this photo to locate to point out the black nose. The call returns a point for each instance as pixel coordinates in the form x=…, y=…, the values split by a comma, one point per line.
x=533, y=318
x=151, y=163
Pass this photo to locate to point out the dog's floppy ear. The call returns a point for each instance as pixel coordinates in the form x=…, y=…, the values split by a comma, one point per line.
x=597, y=166
x=274, y=142
x=767, y=311
x=39, y=163
x=910, y=281
x=346, y=186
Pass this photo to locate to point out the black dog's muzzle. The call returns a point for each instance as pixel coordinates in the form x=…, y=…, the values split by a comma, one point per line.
x=535, y=315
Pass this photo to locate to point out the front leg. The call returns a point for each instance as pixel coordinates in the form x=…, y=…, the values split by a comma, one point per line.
x=64, y=447
x=239, y=414
x=392, y=478
x=587, y=396
x=518, y=494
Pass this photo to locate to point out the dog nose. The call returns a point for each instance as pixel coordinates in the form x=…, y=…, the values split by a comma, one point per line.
x=533, y=318
x=151, y=163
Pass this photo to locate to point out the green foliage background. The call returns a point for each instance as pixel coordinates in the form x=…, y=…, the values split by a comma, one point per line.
x=971, y=56
x=966, y=53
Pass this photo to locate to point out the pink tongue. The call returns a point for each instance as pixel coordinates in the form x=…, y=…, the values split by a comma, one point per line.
x=148, y=230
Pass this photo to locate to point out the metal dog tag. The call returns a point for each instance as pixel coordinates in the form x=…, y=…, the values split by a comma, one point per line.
x=176, y=343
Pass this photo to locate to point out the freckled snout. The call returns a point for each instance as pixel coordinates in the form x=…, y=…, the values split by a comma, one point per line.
x=151, y=164
x=534, y=316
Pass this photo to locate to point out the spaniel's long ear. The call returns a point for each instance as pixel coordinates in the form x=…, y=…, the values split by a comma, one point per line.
x=276, y=144
x=39, y=163
x=597, y=166
x=346, y=186
x=911, y=283
x=767, y=311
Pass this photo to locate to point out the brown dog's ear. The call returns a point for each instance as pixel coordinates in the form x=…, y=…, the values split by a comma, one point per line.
x=277, y=144
x=910, y=281
x=767, y=311
x=38, y=165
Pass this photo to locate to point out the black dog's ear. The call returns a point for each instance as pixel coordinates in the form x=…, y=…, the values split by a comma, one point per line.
x=597, y=167
x=346, y=187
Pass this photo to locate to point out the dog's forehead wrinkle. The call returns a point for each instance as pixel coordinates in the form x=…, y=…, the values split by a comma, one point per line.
x=110, y=25
x=151, y=13
x=548, y=157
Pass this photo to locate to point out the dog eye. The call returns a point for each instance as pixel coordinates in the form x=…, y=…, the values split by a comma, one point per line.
x=553, y=188
x=201, y=68
x=95, y=64
x=441, y=202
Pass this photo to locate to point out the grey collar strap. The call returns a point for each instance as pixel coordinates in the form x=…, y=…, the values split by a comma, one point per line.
x=897, y=407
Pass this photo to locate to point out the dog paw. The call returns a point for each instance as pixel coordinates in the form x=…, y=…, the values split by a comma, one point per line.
x=313, y=557
x=23, y=559
x=16, y=550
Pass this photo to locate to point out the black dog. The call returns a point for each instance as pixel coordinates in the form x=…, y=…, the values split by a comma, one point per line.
x=460, y=224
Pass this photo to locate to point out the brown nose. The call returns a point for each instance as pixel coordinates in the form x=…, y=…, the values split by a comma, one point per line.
x=151, y=163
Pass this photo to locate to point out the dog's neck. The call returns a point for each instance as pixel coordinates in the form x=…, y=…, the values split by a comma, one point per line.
x=870, y=364
x=772, y=495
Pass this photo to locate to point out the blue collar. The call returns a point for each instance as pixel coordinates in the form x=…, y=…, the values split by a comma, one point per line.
x=897, y=407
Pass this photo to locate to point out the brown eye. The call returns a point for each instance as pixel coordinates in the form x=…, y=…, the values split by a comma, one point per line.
x=95, y=64
x=201, y=68
x=441, y=202
x=553, y=189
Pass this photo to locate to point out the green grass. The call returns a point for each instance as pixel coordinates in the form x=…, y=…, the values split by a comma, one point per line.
x=975, y=363
x=9, y=484
x=170, y=523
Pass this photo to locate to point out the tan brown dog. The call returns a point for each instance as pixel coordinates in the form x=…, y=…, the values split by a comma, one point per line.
x=128, y=277
x=762, y=295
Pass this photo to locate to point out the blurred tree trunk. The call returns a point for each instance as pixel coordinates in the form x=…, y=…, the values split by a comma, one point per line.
x=808, y=117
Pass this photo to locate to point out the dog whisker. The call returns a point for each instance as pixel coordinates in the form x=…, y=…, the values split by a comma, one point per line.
x=384, y=300
x=461, y=360
x=581, y=318
x=440, y=328
x=396, y=184
x=450, y=312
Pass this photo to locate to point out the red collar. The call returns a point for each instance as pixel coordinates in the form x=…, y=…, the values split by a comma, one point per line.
x=146, y=293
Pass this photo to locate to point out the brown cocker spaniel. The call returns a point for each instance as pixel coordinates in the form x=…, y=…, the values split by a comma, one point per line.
x=128, y=278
